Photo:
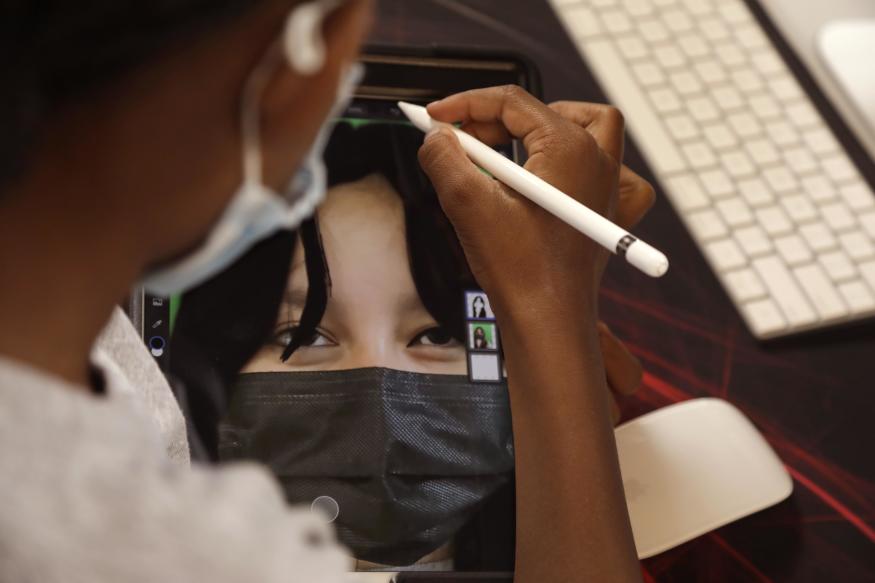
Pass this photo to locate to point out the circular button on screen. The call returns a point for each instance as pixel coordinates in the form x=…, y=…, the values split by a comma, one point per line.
x=326, y=507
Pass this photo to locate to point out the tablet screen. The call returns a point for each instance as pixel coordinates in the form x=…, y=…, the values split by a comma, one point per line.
x=363, y=402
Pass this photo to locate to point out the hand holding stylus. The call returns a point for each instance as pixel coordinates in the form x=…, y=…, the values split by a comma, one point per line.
x=513, y=246
x=542, y=277
x=571, y=211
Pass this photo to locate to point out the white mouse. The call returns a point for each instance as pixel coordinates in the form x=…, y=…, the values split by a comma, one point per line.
x=693, y=467
x=846, y=47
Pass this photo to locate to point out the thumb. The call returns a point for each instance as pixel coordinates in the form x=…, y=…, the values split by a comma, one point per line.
x=459, y=183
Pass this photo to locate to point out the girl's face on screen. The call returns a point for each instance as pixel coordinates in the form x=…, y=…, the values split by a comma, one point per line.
x=374, y=317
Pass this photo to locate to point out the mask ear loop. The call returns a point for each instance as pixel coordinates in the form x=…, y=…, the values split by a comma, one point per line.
x=302, y=47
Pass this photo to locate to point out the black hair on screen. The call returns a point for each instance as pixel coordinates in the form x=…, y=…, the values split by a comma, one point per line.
x=437, y=262
x=53, y=52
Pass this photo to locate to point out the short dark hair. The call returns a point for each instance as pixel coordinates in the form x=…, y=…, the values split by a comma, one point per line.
x=437, y=262
x=52, y=51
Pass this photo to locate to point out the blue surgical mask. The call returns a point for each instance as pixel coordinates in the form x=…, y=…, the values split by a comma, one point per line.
x=256, y=211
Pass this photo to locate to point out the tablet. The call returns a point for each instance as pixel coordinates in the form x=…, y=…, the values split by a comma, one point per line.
x=378, y=399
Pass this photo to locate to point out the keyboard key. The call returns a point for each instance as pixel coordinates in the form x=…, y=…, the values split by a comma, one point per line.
x=819, y=189
x=711, y=72
x=665, y=101
x=820, y=291
x=799, y=208
x=837, y=216
x=747, y=81
x=868, y=271
x=697, y=7
x=754, y=241
x=768, y=63
x=763, y=152
x=858, y=196
x=648, y=74
x=780, y=179
x=717, y=183
x=694, y=47
x=677, y=21
x=785, y=88
x=734, y=13
x=706, y=225
x=730, y=55
x=784, y=290
x=682, y=128
x=738, y=164
x=765, y=107
x=802, y=114
x=639, y=8
x=821, y=140
x=653, y=31
x=699, y=155
x=703, y=109
x=744, y=285
x=687, y=193
x=857, y=245
x=583, y=22
x=755, y=192
x=616, y=22
x=800, y=160
x=720, y=137
x=868, y=222
x=774, y=221
x=751, y=37
x=685, y=83
x=838, y=266
x=669, y=57
x=725, y=255
x=734, y=212
x=714, y=29
x=858, y=296
x=782, y=133
x=745, y=125
x=632, y=48
x=840, y=169
x=818, y=237
x=727, y=97
x=793, y=250
x=764, y=317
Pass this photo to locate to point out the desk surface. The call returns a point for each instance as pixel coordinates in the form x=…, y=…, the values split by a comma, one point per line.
x=813, y=397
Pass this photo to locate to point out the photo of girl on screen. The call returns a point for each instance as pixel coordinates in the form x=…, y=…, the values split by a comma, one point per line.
x=362, y=393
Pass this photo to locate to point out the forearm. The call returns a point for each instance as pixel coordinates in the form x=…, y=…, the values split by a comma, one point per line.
x=572, y=522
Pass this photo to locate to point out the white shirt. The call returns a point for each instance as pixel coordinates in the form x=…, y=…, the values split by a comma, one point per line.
x=97, y=489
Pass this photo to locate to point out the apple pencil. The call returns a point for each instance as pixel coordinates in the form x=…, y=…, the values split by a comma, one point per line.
x=613, y=238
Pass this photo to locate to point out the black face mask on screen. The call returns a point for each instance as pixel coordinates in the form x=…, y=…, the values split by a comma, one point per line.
x=408, y=457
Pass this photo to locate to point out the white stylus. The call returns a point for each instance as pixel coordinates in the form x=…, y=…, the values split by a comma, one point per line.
x=613, y=238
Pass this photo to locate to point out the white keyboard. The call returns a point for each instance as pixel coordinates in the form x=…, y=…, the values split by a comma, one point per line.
x=779, y=210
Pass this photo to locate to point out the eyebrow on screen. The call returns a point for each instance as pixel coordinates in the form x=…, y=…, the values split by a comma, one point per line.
x=296, y=298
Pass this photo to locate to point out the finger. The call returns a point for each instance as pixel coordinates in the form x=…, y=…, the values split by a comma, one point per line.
x=491, y=134
x=636, y=198
x=623, y=369
x=509, y=107
x=455, y=178
x=604, y=122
